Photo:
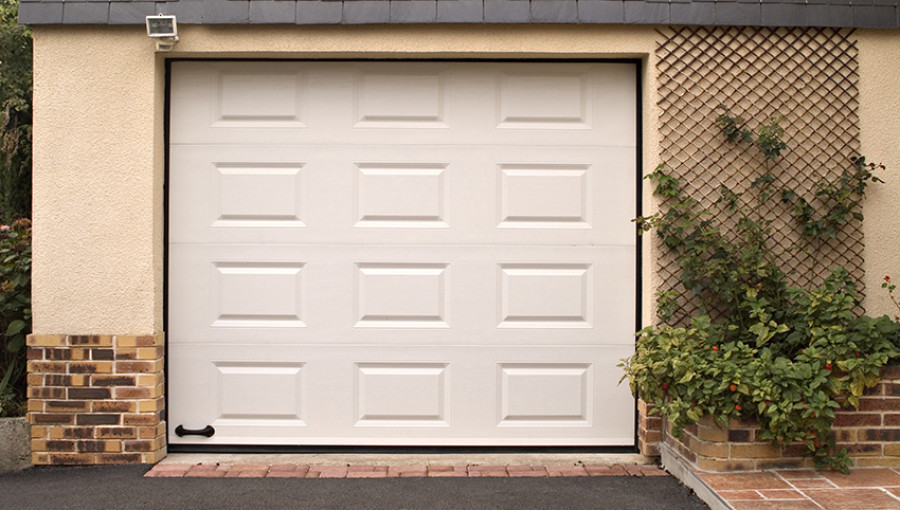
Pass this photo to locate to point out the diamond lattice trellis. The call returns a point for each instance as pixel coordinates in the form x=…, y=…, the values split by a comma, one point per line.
x=807, y=76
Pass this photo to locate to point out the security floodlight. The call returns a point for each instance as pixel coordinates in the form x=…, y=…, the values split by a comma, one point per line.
x=162, y=25
x=163, y=28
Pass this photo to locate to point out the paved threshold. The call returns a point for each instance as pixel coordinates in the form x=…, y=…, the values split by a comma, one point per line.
x=218, y=470
x=402, y=465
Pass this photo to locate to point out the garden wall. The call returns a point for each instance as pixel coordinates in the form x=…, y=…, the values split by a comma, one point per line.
x=870, y=434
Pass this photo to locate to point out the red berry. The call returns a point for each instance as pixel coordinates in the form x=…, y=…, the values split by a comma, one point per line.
x=737, y=407
x=665, y=386
x=733, y=387
x=857, y=354
x=768, y=402
x=887, y=278
x=827, y=366
x=693, y=404
x=813, y=415
x=715, y=347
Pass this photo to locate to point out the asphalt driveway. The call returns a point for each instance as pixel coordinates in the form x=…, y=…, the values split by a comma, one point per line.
x=124, y=487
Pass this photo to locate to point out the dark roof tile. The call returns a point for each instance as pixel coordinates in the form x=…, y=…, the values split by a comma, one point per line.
x=319, y=12
x=833, y=13
x=601, y=11
x=366, y=11
x=737, y=14
x=874, y=16
x=507, y=11
x=272, y=11
x=783, y=15
x=78, y=13
x=187, y=11
x=40, y=12
x=827, y=15
x=558, y=11
x=230, y=12
x=460, y=11
x=127, y=13
x=646, y=12
x=693, y=13
x=413, y=11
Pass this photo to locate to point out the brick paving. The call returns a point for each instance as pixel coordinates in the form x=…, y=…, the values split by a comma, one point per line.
x=371, y=471
x=802, y=489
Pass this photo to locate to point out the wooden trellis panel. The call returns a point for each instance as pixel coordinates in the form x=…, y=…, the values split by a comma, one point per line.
x=807, y=76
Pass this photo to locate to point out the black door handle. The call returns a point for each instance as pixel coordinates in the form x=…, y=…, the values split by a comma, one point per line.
x=206, y=431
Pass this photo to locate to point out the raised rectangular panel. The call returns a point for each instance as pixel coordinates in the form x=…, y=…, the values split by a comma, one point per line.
x=258, y=294
x=259, y=100
x=402, y=394
x=401, y=295
x=259, y=195
x=260, y=390
x=543, y=101
x=545, y=196
x=401, y=100
x=545, y=394
x=401, y=195
x=546, y=295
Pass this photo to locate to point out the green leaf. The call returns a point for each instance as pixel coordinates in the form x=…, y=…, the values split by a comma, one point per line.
x=15, y=327
x=16, y=344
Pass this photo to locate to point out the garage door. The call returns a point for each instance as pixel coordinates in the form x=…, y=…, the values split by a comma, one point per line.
x=401, y=253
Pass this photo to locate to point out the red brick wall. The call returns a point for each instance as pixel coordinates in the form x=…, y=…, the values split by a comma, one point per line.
x=870, y=434
x=96, y=399
x=649, y=430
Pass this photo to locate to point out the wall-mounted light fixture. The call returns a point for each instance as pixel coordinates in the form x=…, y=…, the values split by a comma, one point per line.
x=163, y=28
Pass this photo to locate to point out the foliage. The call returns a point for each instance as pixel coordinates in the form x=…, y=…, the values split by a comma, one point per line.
x=842, y=200
x=759, y=347
x=891, y=288
x=768, y=140
x=15, y=114
x=15, y=313
x=835, y=202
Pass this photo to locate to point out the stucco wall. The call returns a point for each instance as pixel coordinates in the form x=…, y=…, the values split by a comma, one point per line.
x=99, y=96
x=97, y=195
x=99, y=106
x=879, y=94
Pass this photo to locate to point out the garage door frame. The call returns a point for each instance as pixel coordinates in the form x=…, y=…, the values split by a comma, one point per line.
x=187, y=448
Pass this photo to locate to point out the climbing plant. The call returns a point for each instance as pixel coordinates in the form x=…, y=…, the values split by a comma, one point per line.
x=758, y=347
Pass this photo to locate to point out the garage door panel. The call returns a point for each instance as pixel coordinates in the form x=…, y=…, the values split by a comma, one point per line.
x=429, y=195
x=397, y=253
x=400, y=294
x=390, y=103
x=556, y=397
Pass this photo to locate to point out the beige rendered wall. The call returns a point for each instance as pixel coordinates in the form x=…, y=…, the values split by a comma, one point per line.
x=98, y=157
x=97, y=187
x=879, y=66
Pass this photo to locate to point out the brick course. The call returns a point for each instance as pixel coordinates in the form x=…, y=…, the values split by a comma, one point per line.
x=96, y=399
x=871, y=436
x=649, y=430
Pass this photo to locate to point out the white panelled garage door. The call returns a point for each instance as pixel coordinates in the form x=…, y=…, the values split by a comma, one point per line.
x=401, y=253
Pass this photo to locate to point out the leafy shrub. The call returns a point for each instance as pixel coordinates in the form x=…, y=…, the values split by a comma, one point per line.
x=15, y=114
x=759, y=347
x=15, y=313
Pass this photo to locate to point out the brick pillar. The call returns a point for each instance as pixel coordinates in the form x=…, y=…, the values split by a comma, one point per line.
x=96, y=399
x=649, y=430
